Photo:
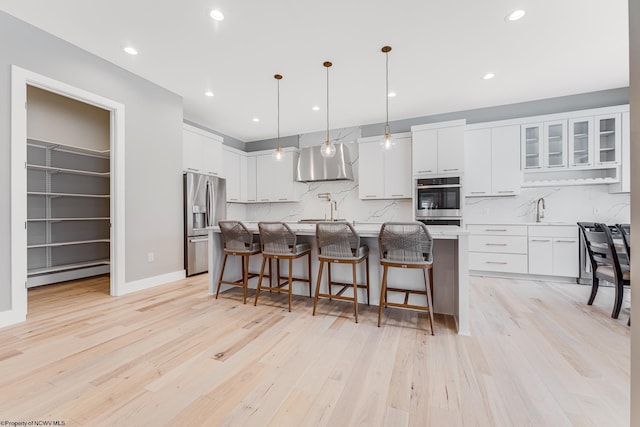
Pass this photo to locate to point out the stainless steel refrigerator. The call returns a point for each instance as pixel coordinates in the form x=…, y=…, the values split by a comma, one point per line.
x=204, y=205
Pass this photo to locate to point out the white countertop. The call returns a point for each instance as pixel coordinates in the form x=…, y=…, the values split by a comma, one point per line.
x=364, y=229
x=523, y=223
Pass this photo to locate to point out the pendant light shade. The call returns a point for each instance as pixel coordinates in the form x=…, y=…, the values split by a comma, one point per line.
x=278, y=154
x=328, y=148
x=387, y=142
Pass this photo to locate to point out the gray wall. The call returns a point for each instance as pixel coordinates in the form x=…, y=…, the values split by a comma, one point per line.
x=634, y=84
x=583, y=101
x=153, y=132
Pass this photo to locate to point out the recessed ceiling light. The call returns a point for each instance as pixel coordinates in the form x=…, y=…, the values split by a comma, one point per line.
x=216, y=14
x=391, y=94
x=515, y=15
x=488, y=76
x=315, y=108
x=130, y=50
x=208, y=93
x=255, y=119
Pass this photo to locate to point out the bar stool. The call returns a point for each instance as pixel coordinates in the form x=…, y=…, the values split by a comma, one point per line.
x=237, y=240
x=406, y=245
x=278, y=242
x=339, y=243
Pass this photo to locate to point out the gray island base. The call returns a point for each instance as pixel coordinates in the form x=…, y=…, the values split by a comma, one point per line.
x=450, y=268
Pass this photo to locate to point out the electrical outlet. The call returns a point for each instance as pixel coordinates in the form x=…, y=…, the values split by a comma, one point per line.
x=150, y=257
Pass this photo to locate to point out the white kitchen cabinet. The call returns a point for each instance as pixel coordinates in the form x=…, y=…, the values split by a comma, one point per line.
x=581, y=142
x=252, y=173
x=555, y=144
x=498, y=248
x=553, y=250
x=274, y=179
x=478, y=165
x=201, y=151
x=532, y=146
x=492, y=166
x=438, y=148
x=608, y=139
x=232, y=174
x=624, y=186
x=385, y=174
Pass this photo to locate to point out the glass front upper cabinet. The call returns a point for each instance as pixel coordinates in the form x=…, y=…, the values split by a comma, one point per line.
x=555, y=137
x=581, y=142
x=532, y=146
x=608, y=139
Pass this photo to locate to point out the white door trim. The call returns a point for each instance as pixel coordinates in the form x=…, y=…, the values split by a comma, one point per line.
x=20, y=78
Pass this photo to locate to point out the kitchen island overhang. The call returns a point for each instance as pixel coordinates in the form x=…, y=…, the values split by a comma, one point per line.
x=450, y=268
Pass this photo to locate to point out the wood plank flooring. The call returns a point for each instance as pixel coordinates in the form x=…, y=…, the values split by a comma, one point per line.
x=172, y=355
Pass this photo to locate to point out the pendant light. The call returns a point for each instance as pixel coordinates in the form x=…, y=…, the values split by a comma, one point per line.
x=278, y=154
x=328, y=148
x=387, y=143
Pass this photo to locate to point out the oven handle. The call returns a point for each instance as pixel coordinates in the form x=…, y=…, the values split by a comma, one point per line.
x=427, y=187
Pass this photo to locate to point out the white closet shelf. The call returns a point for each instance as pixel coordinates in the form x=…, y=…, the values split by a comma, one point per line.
x=64, y=267
x=98, y=218
x=52, y=145
x=68, y=171
x=77, y=242
x=38, y=193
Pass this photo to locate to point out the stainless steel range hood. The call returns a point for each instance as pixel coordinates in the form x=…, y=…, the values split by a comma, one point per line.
x=313, y=167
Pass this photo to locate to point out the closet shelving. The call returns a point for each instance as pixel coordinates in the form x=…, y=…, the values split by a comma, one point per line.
x=68, y=211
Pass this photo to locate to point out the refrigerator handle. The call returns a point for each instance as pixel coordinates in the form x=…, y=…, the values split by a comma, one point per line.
x=209, y=202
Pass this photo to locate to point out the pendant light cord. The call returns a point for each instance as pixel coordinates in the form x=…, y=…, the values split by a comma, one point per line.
x=327, y=105
x=387, y=87
x=278, y=80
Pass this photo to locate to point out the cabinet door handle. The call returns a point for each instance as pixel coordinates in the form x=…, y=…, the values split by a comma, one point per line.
x=495, y=262
x=193, y=169
x=233, y=199
x=495, y=244
x=566, y=241
x=251, y=200
x=264, y=200
x=478, y=192
x=540, y=240
x=213, y=173
x=370, y=195
x=397, y=195
x=495, y=229
x=429, y=171
x=506, y=191
x=283, y=199
x=449, y=170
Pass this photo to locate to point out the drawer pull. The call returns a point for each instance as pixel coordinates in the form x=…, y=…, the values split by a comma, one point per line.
x=495, y=229
x=429, y=171
x=565, y=241
x=449, y=170
x=540, y=240
x=496, y=262
x=495, y=244
x=506, y=191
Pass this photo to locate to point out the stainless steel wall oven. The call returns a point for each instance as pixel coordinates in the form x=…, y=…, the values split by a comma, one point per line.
x=439, y=200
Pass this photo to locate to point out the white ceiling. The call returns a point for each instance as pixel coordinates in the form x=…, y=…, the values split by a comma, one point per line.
x=441, y=50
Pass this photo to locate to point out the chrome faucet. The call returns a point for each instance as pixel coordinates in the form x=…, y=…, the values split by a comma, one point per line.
x=539, y=212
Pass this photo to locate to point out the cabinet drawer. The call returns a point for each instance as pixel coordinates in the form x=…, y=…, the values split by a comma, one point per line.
x=501, y=244
x=569, y=231
x=505, y=263
x=498, y=229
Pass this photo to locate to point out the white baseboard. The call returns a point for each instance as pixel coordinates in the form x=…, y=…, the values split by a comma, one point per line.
x=11, y=317
x=151, y=282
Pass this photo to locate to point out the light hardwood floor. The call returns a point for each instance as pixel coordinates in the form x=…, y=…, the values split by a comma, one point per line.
x=172, y=355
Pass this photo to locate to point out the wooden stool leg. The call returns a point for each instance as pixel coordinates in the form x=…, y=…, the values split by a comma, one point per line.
x=290, y=281
x=383, y=293
x=224, y=263
x=428, y=287
x=367, y=275
x=355, y=291
x=329, y=279
x=277, y=274
x=245, y=276
x=310, y=275
x=264, y=261
x=315, y=300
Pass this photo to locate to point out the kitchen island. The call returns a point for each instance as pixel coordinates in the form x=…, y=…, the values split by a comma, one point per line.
x=450, y=268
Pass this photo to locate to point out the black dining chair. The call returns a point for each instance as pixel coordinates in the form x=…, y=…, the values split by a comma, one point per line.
x=625, y=232
x=605, y=263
